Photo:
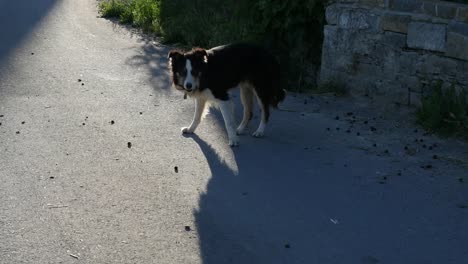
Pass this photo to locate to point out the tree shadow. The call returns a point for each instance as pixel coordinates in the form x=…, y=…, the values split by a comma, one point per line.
x=18, y=19
x=153, y=58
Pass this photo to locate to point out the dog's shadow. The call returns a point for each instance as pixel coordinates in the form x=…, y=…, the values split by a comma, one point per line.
x=284, y=201
x=257, y=214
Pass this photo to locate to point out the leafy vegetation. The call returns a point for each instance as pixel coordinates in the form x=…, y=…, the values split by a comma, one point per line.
x=291, y=29
x=140, y=13
x=444, y=112
x=459, y=1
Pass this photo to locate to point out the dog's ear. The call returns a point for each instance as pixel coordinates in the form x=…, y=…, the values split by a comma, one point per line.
x=201, y=53
x=174, y=55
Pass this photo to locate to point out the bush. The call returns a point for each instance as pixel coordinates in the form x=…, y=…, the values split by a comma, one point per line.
x=444, y=112
x=146, y=14
x=291, y=29
x=140, y=13
x=459, y=1
x=112, y=8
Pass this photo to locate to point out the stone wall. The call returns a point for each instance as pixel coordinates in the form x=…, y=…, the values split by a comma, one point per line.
x=395, y=49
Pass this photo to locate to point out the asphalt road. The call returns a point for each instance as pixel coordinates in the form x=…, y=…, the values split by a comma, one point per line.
x=334, y=181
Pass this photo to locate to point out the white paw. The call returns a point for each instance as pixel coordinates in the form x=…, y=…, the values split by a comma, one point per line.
x=258, y=134
x=234, y=142
x=186, y=130
x=240, y=130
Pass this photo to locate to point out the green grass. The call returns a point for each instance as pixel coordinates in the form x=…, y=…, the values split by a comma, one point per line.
x=444, y=112
x=206, y=23
x=144, y=14
x=112, y=8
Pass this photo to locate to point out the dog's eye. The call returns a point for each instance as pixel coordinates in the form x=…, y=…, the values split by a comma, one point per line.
x=194, y=73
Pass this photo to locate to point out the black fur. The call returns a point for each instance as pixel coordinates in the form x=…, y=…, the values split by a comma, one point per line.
x=223, y=68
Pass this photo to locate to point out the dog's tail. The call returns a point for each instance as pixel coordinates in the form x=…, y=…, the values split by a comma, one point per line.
x=278, y=93
x=278, y=97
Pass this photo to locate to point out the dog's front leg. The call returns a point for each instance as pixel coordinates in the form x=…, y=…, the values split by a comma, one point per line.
x=227, y=110
x=199, y=107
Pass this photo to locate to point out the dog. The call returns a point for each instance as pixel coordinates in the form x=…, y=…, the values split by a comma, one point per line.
x=208, y=76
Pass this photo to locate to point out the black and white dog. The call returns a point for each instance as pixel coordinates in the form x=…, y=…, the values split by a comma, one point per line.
x=209, y=75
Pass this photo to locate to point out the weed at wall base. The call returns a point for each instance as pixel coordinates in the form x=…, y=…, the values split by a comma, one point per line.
x=444, y=112
x=331, y=86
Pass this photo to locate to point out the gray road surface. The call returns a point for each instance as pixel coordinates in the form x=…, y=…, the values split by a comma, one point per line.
x=72, y=191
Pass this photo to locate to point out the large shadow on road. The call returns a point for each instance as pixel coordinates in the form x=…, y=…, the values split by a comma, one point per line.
x=298, y=197
x=17, y=20
x=271, y=210
x=245, y=216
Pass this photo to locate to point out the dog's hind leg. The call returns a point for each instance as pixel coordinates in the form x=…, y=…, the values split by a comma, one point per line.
x=227, y=110
x=247, y=95
x=265, y=107
x=199, y=107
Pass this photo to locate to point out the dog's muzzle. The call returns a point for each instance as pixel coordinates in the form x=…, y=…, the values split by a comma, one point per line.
x=189, y=87
x=185, y=89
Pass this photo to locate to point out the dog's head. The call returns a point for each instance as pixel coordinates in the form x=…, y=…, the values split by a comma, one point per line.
x=187, y=68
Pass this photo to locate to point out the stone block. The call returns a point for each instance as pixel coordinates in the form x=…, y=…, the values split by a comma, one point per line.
x=426, y=36
x=330, y=74
x=329, y=33
x=463, y=69
x=433, y=64
x=348, y=2
x=412, y=83
x=390, y=91
x=353, y=19
x=336, y=47
x=462, y=14
x=457, y=46
x=446, y=11
x=415, y=99
x=332, y=13
x=362, y=42
x=406, y=5
x=372, y=3
x=358, y=69
x=408, y=62
x=394, y=40
x=395, y=23
x=457, y=27
x=429, y=8
x=447, y=66
x=358, y=19
x=390, y=63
